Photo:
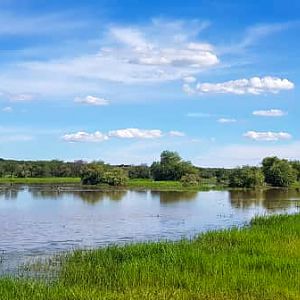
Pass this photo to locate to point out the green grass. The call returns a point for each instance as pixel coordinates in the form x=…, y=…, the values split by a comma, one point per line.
x=168, y=185
x=137, y=184
x=44, y=180
x=257, y=262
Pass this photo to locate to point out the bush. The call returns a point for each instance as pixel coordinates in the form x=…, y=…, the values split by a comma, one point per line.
x=171, y=167
x=97, y=174
x=114, y=177
x=278, y=172
x=246, y=177
x=190, y=180
x=142, y=172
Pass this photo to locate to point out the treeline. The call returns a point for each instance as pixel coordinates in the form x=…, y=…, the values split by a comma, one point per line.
x=273, y=172
x=53, y=168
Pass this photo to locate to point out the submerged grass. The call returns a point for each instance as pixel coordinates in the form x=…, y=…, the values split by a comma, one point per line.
x=261, y=261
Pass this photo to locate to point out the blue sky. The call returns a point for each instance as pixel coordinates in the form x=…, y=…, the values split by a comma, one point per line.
x=122, y=80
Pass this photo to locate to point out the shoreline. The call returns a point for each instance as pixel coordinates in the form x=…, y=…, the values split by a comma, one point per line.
x=257, y=261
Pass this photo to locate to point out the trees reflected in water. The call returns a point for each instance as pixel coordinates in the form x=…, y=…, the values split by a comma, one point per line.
x=172, y=197
x=270, y=199
x=10, y=193
x=88, y=196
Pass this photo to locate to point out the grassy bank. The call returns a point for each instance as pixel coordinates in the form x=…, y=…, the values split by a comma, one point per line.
x=169, y=185
x=44, y=180
x=138, y=184
x=257, y=262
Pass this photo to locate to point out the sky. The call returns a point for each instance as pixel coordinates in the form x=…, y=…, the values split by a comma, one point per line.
x=123, y=80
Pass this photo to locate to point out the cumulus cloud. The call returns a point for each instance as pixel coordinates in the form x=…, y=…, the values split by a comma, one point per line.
x=91, y=100
x=254, y=86
x=267, y=136
x=83, y=136
x=175, y=133
x=126, y=133
x=226, y=120
x=131, y=133
x=269, y=113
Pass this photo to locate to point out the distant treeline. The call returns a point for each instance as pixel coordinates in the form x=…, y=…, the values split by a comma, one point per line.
x=273, y=171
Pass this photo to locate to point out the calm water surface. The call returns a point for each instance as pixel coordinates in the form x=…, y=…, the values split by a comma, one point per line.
x=39, y=221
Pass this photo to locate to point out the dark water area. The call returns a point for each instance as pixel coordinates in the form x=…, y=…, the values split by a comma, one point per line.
x=39, y=221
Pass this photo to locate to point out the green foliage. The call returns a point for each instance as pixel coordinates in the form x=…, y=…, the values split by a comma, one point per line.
x=296, y=166
x=261, y=261
x=103, y=174
x=171, y=167
x=114, y=177
x=142, y=172
x=190, y=180
x=278, y=172
x=246, y=177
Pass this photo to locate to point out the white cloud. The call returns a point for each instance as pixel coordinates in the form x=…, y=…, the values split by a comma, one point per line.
x=7, y=109
x=131, y=133
x=254, y=86
x=267, y=136
x=226, y=120
x=91, y=100
x=83, y=136
x=269, y=113
x=151, y=53
x=175, y=133
x=126, y=133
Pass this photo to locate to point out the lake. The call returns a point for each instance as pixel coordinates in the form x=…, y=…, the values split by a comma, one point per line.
x=38, y=221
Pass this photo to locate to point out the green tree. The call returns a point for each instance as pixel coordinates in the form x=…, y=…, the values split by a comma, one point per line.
x=142, y=171
x=278, y=172
x=171, y=167
x=92, y=174
x=190, y=180
x=114, y=177
x=296, y=166
x=246, y=177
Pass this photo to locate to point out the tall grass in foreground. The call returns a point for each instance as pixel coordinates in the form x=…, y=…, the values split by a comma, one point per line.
x=261, y=261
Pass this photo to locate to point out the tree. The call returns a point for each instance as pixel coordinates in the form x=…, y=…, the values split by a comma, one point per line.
x=100, y=174
x=171, y=167
x=142, y=171
x=278, y=172
x=296, y=166
x=190, y=180
x=114, y=177
x=246, y=177
x=91, y=174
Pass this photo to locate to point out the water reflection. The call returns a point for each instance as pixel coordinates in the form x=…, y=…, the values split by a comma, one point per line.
x=171, y=197
x=270, y=199
x=10, y=193
x=88, y=196
x=92, y=197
